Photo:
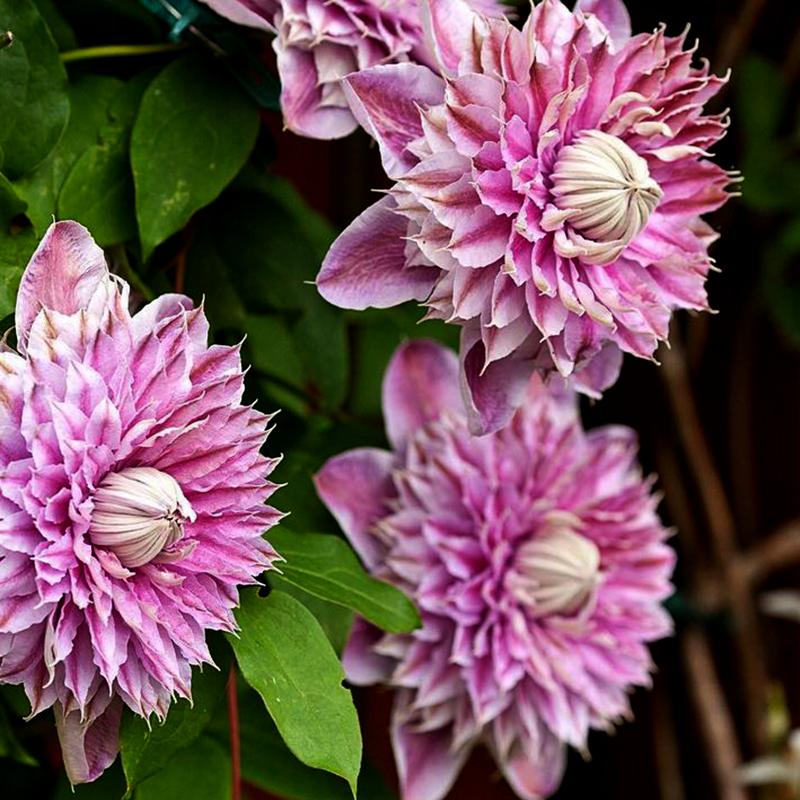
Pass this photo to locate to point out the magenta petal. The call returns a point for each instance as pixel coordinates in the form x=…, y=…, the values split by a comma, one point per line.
x=386, y=100
x=160, y=309
x=355, y=486
x=491, y=393
x=64, y=274
x=426, y=764
x=535, y=773
x=420, y=384
x=361, y=663
x=366, y=264
x=241, y=13
x=448, y=26
x=613, y=14
x=600, y=372
x=90, y=746
x=304, y=113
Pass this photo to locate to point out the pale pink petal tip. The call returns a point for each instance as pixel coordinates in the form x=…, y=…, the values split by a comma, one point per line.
x=65, y=273
x=421, y=384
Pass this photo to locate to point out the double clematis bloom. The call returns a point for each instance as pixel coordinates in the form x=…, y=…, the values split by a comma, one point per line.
x=549, y=187
x=318, y=42
x=132, y=496
x=538, y=563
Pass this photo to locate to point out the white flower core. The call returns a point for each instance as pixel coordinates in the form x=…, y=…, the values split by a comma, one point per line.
x=139, y=514
x=604, y=191
x=556, y=572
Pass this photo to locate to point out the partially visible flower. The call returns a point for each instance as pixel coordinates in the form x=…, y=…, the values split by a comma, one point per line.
x=775, y=770
x=549, y=187
x=538, y=563
x=132, y=496
x=318, y=42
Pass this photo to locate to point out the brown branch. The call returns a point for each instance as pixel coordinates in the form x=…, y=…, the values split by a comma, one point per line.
x=737, y=36
x=180, y=270
x=778, y=551
x=791, y=64
x=713, y=715
x=666, y=747
x=781, y=549
x=722, y=539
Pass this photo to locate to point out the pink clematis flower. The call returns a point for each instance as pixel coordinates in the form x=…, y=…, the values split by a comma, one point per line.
x=318, y=42
x=549, y=187
x=538, y=563
x=132, y=497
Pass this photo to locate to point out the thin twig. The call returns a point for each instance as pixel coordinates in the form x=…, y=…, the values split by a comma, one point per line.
x=667, y=748
x=791, y=64
x=116, y=50
x=779, y=550
x=236, y=750
x=723, y=539
x=713, y=715
x=738, y=35
x=180, y=270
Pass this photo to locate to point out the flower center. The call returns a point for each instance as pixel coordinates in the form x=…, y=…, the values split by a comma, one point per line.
x=139, y=514
x=555, y=573
x=607, y=189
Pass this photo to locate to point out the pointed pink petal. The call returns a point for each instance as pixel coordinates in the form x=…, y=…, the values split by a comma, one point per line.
x=613, y=14
x=64, y=274
x=241, y=14
x=600, y=372
x=448, y=27
x=365, y=266
x=420, y=384
x=355, y=487
x=386, y=100
x=304, y=112
x=426, y=765
x=534, y=770
x=89, y=747
x=361, y=663
x=491, y=394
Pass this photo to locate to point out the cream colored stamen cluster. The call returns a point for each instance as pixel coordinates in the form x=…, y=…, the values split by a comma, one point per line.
x=139, y=514
x=556, y=572
x=604, y=191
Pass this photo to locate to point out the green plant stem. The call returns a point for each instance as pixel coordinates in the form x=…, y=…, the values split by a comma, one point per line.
x=114, y=50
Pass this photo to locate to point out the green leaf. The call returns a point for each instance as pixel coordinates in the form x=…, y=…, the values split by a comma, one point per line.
x=11, y=203
x=334, y=619
x=16, y=245
x=90, y=96
x=761, y=99
x=98, y=191
x=207, y=279
x=9, y=746
x=9, y=283
x=63, y=34
x=33, y=91
x=109, y=786
x=272, y=246
x=270, y=765
x=145, y=751
x=327, y=567
x=285, y=656
x=200, y=772
x=194, y=131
